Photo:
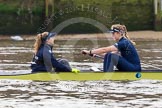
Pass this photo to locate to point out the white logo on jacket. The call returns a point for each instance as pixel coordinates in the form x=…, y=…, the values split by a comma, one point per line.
x=50, y=51
x=116, y=44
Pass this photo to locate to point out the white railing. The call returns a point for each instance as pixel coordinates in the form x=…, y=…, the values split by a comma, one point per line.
x=161, y=4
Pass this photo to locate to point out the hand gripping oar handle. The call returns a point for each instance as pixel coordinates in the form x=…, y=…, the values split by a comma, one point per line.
x=93, y=55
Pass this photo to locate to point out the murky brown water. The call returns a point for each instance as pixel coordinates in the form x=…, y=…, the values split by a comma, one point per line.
x=16, y=55
x=84, y=94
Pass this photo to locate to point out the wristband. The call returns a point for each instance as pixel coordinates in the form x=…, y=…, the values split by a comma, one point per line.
x=90, y=52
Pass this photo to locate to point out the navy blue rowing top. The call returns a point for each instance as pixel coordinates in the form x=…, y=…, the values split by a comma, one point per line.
x=44, y=61
x=128, y=51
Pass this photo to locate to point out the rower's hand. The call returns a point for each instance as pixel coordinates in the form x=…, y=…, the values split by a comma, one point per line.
x=85, y=52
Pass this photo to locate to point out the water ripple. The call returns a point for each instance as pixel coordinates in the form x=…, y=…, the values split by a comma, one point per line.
x=90, y=94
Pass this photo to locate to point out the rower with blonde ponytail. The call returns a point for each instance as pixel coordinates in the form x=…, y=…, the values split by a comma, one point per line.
x=128, y=60
x=126, y=35
x=124, y=32
x=38, y=41
x=44, y=60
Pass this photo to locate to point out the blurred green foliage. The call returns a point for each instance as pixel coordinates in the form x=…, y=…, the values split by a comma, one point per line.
x=135, y=14
x=20, y=16
x=27, y=16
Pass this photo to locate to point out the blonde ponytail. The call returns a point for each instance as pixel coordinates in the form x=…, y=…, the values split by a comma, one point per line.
x=123, y=31
x=126, y=34
x=38, y=41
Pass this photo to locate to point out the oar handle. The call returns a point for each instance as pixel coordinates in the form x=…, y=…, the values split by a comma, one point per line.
x=98, y=56
x=93, y=55
x=83, y=52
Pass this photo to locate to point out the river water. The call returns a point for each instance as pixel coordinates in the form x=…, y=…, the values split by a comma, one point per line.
x=16, y=55
x=84, y=94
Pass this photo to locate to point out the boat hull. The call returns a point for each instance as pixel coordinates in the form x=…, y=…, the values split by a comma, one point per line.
x=46, y=76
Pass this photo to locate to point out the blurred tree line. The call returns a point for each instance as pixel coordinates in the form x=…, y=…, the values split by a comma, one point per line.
x=33, y=16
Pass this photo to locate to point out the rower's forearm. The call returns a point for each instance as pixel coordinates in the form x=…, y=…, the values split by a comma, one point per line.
x=99, y=51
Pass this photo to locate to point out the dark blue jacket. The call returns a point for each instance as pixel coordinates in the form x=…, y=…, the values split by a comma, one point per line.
x=44, y=61
x=129, y=53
